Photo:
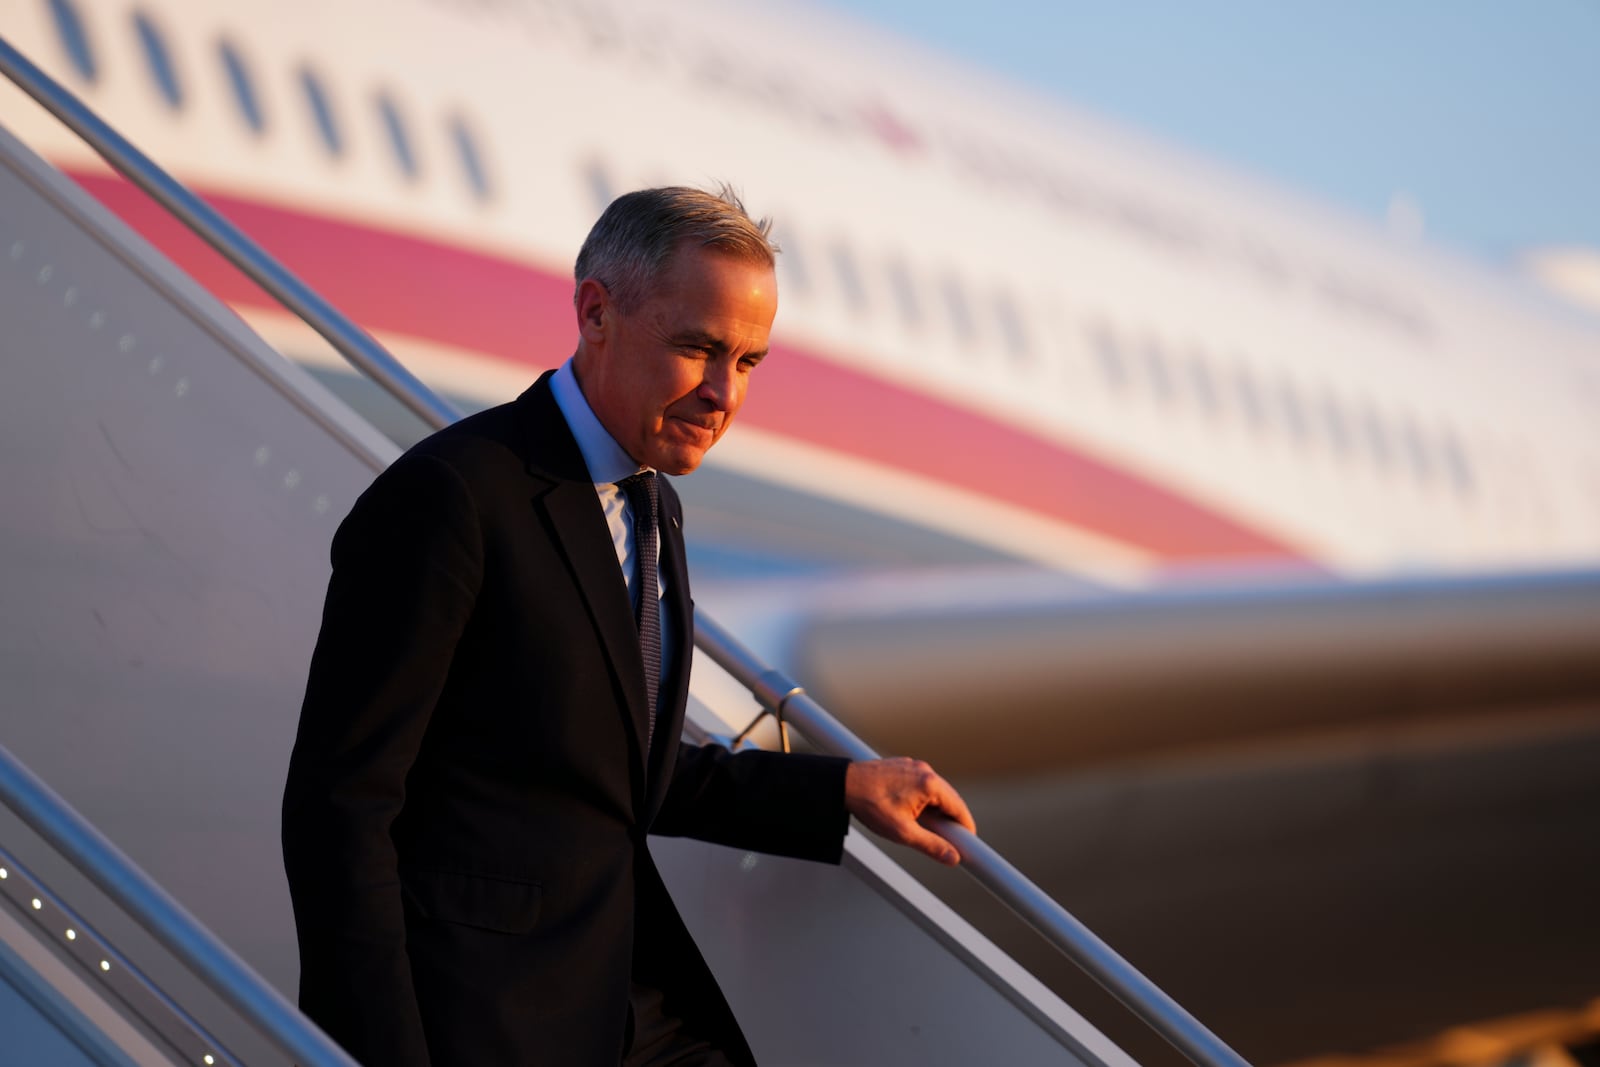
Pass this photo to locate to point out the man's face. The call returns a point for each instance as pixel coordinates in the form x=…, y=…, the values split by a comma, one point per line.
x=666, y=379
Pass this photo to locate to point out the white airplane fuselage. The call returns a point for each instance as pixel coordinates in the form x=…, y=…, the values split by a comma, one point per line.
x=1001, y=321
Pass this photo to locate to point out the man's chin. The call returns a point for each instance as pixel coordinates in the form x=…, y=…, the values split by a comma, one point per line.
x=682, y=468
x=679, y=461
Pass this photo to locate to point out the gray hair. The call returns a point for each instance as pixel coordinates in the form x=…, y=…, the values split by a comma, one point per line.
x=634, y=240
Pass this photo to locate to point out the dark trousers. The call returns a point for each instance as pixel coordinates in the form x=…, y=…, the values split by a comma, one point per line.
x=657, y=1038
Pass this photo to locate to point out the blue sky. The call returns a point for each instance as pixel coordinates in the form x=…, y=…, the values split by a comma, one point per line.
x=1485, y=115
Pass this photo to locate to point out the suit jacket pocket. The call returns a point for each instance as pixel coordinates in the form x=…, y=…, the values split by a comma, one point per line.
x=503, y=905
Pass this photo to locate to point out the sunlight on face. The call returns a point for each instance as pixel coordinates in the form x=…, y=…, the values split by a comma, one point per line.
x=667, y=378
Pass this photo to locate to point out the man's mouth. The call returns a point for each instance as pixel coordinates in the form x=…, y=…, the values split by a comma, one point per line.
x=708, y=425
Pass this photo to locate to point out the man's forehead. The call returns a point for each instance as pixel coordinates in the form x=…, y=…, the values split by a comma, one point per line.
x=702, y=251
x=701, y=267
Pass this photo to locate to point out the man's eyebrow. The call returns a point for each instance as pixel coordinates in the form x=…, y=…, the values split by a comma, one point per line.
x=701, y=338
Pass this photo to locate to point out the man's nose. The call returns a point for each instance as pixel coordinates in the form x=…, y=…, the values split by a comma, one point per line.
x=719, y=385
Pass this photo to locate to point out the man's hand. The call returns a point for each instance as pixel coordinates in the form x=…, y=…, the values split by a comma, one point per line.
x=888, y=795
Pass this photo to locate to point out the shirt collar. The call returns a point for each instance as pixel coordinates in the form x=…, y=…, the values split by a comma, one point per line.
x=606, y=460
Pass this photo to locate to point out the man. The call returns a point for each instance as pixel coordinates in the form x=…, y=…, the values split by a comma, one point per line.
x=492, y=720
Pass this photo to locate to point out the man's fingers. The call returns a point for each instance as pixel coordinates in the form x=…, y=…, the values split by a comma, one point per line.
x=931, y=844
x=949, y=802
x=938, y=793
x=889, y=795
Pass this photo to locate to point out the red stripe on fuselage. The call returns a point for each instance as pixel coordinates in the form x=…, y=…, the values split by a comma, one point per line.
x=510, y=310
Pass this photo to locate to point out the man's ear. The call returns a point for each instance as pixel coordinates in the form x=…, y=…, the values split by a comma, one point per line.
x=594, y=309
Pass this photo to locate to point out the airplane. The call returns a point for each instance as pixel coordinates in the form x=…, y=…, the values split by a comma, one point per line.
x=1028, y=365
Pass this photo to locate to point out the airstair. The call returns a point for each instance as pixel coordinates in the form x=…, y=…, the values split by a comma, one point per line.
x=171, y=484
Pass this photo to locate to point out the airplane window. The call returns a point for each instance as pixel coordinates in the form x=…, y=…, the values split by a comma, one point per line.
x=955, y=302
x=471, y=158
x=244, y=93
x=1107, y=356
x=1155, y=367
x=1293, y=414
x=321, y=111
x=1200, y=381
x=1010, y=325
x=791, y=263
x=1255, y=411
x=844, y=265
x=398, y=139
x=74, y=38
x=160, y=60
x=1417, y=451
x=905, y=293
x=600, y=187
x=1456, y=464
x=1377, y=438
x=1333, y=422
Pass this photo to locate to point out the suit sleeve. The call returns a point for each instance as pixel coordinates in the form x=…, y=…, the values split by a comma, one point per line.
x=407, y=565
x=788, y=805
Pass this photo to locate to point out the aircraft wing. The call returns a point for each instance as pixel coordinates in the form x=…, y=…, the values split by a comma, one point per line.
x=1004, y=670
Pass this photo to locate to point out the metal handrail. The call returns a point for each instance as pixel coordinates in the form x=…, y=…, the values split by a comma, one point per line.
x=773, y=690
x=117, y=974
x=136, y=893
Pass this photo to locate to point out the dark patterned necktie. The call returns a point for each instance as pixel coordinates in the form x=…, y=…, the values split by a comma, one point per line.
x=644, y=499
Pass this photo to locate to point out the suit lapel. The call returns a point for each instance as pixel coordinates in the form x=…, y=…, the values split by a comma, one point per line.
x=567, y=502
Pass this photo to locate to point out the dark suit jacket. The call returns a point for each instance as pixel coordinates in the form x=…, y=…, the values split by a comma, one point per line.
x=465, y=817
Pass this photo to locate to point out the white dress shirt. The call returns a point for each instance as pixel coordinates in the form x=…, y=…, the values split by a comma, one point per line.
x=608, y=464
